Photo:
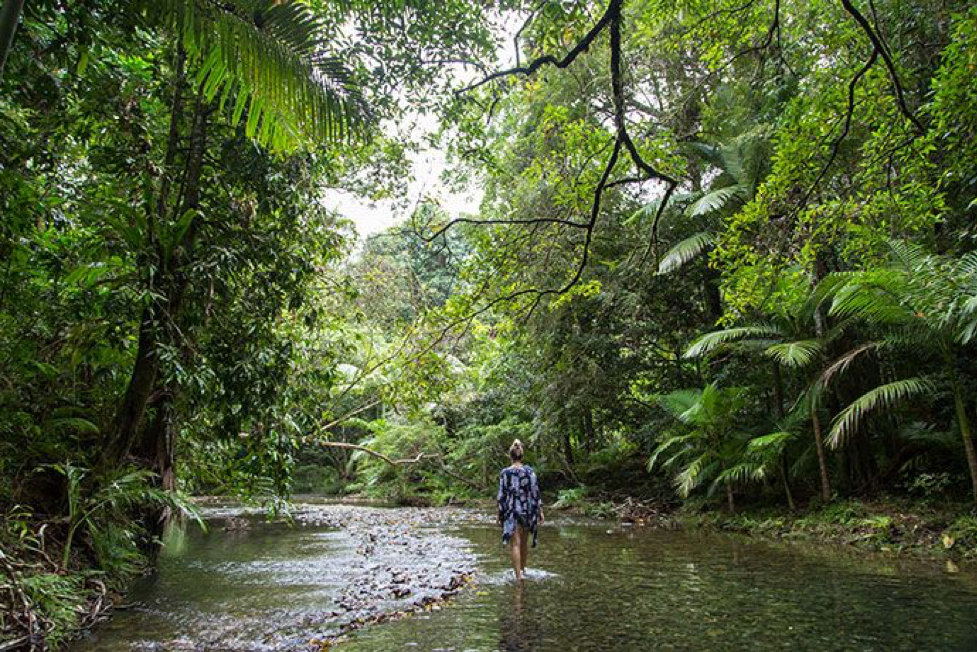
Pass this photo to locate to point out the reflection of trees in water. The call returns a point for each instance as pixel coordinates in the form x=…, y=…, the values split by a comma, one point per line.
x=520, y=627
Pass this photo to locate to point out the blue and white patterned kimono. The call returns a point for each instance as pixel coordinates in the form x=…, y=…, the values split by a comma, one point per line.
x=518, y=501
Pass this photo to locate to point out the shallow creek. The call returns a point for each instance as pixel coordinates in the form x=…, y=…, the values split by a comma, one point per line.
x=248, y=584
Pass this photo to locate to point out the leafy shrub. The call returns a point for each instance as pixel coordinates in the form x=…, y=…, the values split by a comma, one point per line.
x=929, y=485
x=570, y=498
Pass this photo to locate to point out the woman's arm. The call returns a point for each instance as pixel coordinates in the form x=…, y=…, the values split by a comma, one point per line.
x=537, y=498
x=501, y=497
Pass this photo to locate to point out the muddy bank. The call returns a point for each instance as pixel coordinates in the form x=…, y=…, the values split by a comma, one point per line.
x=249, y=585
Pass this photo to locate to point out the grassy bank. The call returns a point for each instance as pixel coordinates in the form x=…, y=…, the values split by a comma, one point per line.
x=889, y=525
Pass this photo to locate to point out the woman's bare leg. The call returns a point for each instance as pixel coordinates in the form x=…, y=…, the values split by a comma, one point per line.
x=515, y=550
x=523, y=548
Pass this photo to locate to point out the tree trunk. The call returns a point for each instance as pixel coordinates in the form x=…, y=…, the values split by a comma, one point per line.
x=158, y=440
x=714, y=301
x=590, y=432
x=729, y=498
x=157, y=444
x=778, y=390
x=568, y=447
x=963, y=422
x=130, y=414
x=9, y=17
x=822, y=458
x=786, y=481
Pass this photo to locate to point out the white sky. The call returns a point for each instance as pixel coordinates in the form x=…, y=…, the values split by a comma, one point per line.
x=375, y=216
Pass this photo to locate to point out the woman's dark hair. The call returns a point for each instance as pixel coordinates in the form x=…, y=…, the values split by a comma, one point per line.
x=515, y=451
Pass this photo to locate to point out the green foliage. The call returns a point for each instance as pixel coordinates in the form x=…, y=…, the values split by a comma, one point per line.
x=268, y=58
x=708, y=450
x=570, y=498
x=57, y=598
x=175, y=297
x=115, y=499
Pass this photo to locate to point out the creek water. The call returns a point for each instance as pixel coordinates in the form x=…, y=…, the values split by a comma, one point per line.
x=592, y=586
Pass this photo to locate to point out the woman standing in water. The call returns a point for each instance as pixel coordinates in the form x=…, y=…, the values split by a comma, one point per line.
x=520, y=509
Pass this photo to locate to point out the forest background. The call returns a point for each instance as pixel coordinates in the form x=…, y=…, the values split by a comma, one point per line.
x=724, y=258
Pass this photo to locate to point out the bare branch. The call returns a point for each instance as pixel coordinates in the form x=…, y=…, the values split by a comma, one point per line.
x=377, y=454
x=836, y=145
x=548, y=59
x=469, y=220
x=879, y=47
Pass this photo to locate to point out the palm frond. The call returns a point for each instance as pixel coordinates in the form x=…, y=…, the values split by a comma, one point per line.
x=78, y=424
x=269, y=56
x=795, y=354
x=968, y=320
x=665, y=445
x=681, y=403
x=770, y=443
x=684, y=251
x=883, y=396
x=741, y=473
x=717, y=200
x=906, y=254
x=650, y=210
x=967, y=265
x=707, y=152
x=875, y=303
x=839, y=366
x=712, y=341
x=691, y=476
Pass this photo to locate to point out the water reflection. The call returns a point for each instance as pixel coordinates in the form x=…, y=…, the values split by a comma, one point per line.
x=648, y=590
x=520, y=628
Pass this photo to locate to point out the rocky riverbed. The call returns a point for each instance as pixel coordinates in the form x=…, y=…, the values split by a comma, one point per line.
x=404, y=563
x=249, y=585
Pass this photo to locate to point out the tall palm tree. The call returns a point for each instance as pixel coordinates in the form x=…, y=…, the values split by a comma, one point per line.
x=735, y=171
x=919, y=301
x=791, y=339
